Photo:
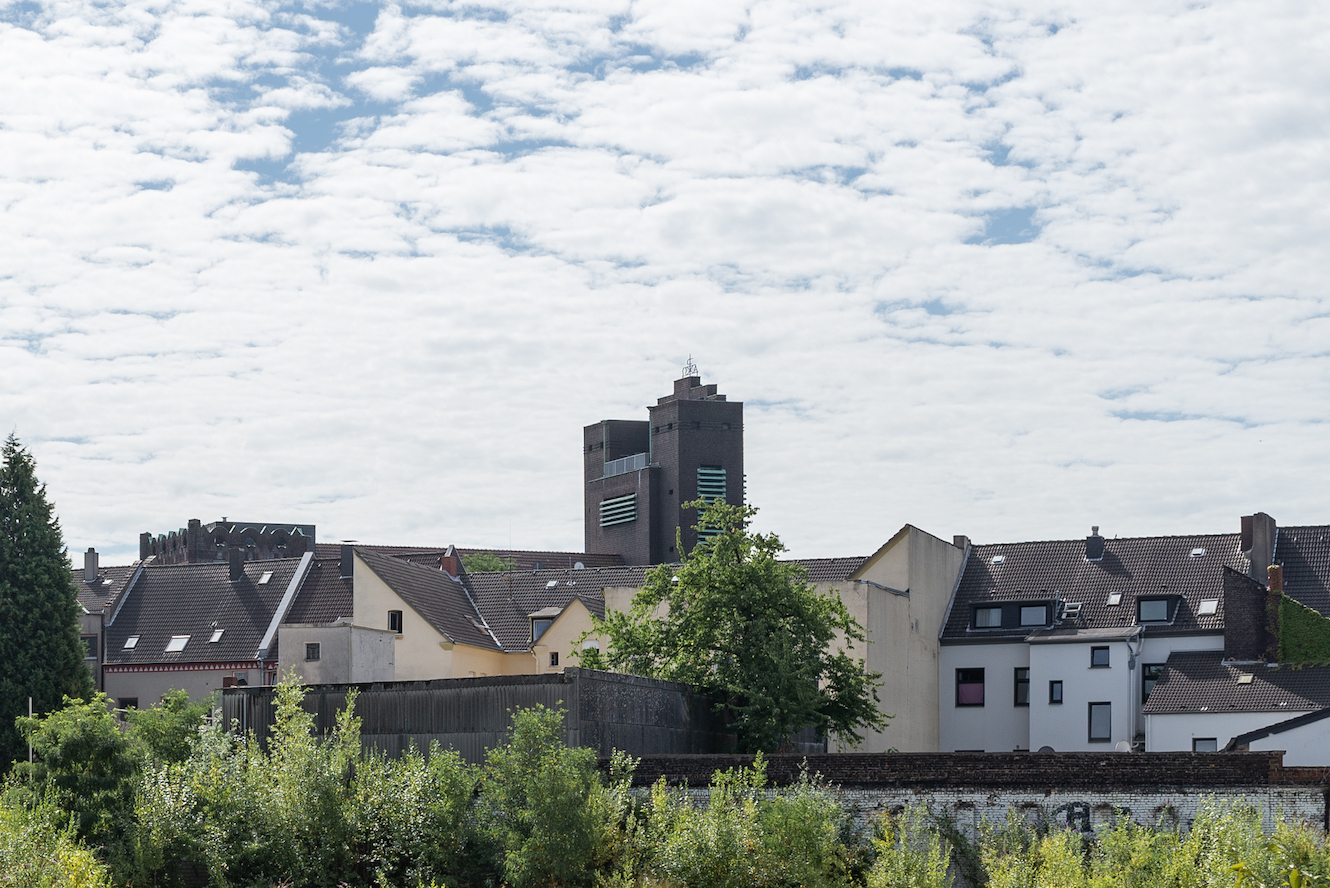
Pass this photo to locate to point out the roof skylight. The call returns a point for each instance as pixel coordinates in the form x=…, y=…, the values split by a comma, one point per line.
x=1244, y=678
x=1208, y=606
x=267, y=575
x=177, y=644
x=551, y=584
x=216, y=636
x=1115, y=598
x=131, y=642
x=1198, y=552
x=997, y=559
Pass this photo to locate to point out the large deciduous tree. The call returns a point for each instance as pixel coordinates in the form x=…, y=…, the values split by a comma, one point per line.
x=40, y=649
x=746, y=627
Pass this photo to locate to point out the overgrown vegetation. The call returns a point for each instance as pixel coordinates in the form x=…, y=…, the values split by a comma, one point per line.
x=487, y=562
x=1304, y=635
x=173, y=800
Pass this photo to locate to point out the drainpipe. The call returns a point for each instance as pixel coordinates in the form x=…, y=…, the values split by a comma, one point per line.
x=1132, y=657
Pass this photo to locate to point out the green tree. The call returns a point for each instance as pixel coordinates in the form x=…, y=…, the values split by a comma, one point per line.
x=167, y=731
x=487, y=562
x=747, y=628
x=39, y=629
x=86, y=769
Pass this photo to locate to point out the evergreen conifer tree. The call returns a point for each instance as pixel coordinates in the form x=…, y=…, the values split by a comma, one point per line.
x=41, y=654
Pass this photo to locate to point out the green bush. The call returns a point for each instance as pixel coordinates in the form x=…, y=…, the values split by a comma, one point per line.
x=33, y=854
x=744, y=837
x=911, y=853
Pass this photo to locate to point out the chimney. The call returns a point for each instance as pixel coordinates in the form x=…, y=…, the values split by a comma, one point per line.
x=145, y=546
x=1094, y=545
x=1276, y=572
x=960, y=541
x=193, y=540
x=90, y=565
x=348, y=563
x=451, y=562
x=1246, y=622
x=1259, y=544
x=236, y=561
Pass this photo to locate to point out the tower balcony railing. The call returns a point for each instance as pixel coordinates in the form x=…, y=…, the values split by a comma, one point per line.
x=625, y=464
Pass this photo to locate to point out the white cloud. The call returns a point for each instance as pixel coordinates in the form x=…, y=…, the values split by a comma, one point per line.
x=375, y=272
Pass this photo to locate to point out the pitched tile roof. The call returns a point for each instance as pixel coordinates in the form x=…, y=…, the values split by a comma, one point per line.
x=1305, y=554
x=1134, y=567
x=509, y=598
x=324, y=597
x=524, y=559
x=195, y=600
x=443, y=601
x=1199, y=681
x=101, y=596
x=830, y=570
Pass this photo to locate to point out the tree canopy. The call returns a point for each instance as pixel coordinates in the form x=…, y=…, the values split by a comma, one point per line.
x=486, y=562
x=746, y=627
x=39, y=628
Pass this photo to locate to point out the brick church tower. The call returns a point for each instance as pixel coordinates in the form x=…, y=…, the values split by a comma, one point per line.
x=638, y=472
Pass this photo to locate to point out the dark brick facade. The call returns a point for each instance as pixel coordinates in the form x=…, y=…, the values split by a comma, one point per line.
x=209, y=542
x=1245, y=631
x=691, y=428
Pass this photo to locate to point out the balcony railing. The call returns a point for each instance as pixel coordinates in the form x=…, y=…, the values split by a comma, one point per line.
x=625, y=464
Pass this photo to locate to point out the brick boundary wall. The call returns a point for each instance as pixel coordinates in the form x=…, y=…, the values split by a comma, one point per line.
x=1083, y=791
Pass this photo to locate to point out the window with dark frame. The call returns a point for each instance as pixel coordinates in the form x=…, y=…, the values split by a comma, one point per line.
x=395, y=622
x=1205, y=744
x=988, y=618
x=89, y=647
x=554, y=658
x=1055, y=693
x=1150, y=675
x=1101, y=722
x=311, y=650
x=969, y=687
x=1152, y=610
x=1034, y=615
x=1099, y=658
x=1022, y=686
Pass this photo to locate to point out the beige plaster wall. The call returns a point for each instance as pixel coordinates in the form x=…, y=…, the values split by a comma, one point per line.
x=561, y=638
x=150, y=687
x=903, y=635
x=420, y=652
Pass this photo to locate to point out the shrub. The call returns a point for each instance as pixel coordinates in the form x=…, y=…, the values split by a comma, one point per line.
x=911, y=853
x=33, y=854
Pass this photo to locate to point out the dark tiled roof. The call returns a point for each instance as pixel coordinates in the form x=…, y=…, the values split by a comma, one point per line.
x=440, y=599
x=509, y=598
x=523, y=559
x=1201, y=682
x=1138, y=566
x=101, y=595
x=188, y=599
x=324, y=597
x=1305, y=554
x=830, y=570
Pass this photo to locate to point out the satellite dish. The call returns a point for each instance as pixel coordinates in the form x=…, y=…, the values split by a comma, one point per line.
x=1047, y=749
x=579, y=566
x=1123, y=746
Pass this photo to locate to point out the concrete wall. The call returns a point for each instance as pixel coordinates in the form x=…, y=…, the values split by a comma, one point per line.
x=347, y=653
x=999, y=725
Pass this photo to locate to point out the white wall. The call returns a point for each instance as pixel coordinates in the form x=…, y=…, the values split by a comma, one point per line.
x=1307, y=746
x=1174, y=732
x=997, y=726
x=1066, y=727
x=346, y=653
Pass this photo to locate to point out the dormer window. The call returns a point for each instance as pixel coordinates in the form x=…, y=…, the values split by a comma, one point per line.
x=1034, y=615
x=988, y=618
x=539, y=626
x=1152, y=610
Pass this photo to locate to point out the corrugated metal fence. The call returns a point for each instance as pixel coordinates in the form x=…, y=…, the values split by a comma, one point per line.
x=605, y=711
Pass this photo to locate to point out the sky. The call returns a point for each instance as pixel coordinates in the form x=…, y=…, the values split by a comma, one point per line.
x=1003, y=269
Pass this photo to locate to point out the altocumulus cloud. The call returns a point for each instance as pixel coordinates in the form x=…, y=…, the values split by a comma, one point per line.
x=996, y=268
